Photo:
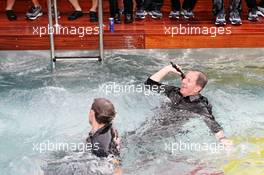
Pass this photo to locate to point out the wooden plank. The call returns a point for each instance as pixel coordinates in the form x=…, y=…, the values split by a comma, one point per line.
x=25, y=42
x=233, y=41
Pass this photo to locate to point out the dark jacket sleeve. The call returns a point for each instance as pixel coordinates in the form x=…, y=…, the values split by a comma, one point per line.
x=209, y=118
x=159, y=87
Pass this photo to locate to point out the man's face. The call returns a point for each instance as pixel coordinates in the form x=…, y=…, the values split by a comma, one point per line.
x=188, y=84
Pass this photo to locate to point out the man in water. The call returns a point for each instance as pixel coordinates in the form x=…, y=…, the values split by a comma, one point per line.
x=103, y=137
x=188, y=98
x=103, y=141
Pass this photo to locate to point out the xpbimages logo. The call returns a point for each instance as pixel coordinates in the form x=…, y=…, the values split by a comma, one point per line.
x=118, y=89
x=196, y=30
x=47, y=146
x=65, y=30
x=176, y=147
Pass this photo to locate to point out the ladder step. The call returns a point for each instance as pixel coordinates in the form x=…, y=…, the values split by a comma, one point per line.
x=75, y=58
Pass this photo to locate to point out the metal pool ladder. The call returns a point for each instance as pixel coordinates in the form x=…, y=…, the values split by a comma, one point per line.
x=54, y=58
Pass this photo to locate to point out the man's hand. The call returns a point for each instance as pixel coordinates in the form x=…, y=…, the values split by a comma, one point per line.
x=223, y=140
x=226, y=142
x=173, y=70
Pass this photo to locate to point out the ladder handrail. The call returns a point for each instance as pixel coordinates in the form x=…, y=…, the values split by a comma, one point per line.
x=101, y=30
x=51, y=34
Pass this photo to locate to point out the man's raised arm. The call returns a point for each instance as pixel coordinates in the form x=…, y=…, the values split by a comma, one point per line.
x=158, y=76
x=153, y=82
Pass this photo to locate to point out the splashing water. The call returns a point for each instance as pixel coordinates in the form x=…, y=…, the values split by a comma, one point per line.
x=37, y=105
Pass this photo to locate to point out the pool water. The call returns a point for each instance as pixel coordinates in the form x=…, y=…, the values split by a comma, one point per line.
x=38, y=105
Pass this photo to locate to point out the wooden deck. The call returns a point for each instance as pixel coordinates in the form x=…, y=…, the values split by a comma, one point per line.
x=149, y=33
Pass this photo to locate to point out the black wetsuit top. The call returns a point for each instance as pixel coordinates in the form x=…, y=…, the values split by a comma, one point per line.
x=196, y=104
x=102, y=141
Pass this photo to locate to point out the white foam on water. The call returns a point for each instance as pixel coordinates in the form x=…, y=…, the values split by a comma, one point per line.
x=37, y=105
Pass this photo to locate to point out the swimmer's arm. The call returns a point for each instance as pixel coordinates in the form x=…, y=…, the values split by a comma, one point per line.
x=217, y=130
x=214, y=125
x=158, y=76
x=153, y=82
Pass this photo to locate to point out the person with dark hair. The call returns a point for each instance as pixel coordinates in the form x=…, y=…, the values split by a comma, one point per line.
x=103, y=137
x=187, y=98
x=103, y=143
x=33, y=13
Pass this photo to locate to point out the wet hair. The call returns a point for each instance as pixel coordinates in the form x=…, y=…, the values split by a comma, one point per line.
x=104, y=110
x=201, y=79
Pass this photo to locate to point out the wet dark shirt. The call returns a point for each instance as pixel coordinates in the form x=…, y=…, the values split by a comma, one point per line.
x=196, y=104
x=102, y=141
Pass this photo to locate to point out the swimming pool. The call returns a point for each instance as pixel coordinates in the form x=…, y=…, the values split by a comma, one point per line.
x=37, y=105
